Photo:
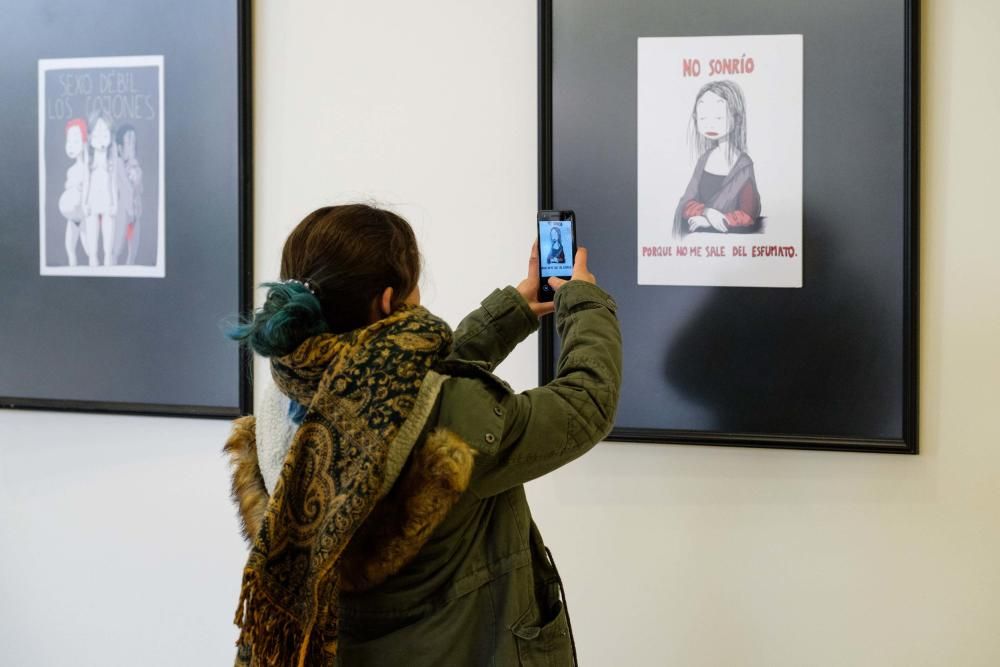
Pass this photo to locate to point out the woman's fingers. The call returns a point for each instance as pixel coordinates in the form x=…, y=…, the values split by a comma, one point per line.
x=542, y=308
x=528, y=288
x=580, y=262
x=717, y=220
x=580, y=270
x=533, y=264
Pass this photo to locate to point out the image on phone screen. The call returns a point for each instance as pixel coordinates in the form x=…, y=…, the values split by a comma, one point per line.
x=555, y=247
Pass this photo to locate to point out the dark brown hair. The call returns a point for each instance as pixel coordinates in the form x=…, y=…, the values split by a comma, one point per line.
x=348, y=255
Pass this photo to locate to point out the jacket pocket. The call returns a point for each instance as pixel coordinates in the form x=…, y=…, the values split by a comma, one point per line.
x=544, y=641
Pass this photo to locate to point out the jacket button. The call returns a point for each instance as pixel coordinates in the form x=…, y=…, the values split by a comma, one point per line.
x=498, y=411
x=490, y=438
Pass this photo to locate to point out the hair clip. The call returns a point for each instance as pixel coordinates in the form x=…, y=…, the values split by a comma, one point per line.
x=305, y=284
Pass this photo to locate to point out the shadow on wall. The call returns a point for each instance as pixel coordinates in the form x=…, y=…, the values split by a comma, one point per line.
x=795, y=361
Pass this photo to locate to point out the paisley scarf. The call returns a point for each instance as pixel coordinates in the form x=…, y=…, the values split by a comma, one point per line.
x=359, y=388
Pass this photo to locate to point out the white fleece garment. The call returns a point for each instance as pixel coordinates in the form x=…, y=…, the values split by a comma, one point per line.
x=275, y=430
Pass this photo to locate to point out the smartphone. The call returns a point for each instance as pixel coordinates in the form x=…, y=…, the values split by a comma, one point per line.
x=556, y=249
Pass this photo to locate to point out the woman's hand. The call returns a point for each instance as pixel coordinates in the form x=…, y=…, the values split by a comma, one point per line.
x=528, y=288
x=580, y=271
x=698, y=222
x=717, y=219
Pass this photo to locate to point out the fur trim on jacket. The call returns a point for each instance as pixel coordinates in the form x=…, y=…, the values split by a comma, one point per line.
x=434, y=477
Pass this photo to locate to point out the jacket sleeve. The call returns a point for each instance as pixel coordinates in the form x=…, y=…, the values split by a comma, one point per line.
x=545, y=428
x=489, y=333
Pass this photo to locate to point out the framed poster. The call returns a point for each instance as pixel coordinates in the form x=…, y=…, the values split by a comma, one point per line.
x=116, y=157
x=745, y=178
x=125, y=236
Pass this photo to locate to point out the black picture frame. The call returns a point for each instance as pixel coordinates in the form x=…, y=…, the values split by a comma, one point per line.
x=230, y=54
x=905, y=338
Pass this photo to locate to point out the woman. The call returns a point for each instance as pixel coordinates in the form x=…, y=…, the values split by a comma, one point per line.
x=722, y=194
x=381, y=483
x=129, y=179
x=556, y=253
x=71, y=200
x=101, y=200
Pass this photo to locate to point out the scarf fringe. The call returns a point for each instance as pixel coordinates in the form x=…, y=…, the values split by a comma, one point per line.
x=268, y=632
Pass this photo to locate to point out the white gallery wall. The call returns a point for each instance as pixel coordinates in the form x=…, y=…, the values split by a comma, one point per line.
x=118, y=545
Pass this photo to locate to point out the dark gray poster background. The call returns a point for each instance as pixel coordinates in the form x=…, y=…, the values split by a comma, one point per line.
x=824, y=360
x=146, y=83
x=150, y=340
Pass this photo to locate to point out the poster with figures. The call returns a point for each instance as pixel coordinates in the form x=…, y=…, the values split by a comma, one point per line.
x=101, y=167
x=720, y=161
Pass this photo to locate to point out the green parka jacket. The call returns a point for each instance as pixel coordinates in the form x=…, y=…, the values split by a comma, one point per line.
x=483, y=590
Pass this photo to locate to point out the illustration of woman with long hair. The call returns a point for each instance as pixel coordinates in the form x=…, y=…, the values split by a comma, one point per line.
x=129, y=177
x=722, y=194
x=101, y=200
x=556, y=253
x=77, y=176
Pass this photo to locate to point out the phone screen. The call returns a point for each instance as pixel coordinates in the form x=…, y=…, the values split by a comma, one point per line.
x=555, y=247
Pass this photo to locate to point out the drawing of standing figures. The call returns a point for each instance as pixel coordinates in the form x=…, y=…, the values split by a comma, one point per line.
x=71, y=201
x=129, y=177
x=101, y=198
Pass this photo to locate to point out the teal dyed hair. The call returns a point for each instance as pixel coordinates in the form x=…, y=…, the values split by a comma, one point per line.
x=290, y=315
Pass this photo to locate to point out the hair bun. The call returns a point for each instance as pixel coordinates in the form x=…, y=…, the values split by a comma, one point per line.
x=291, y=313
